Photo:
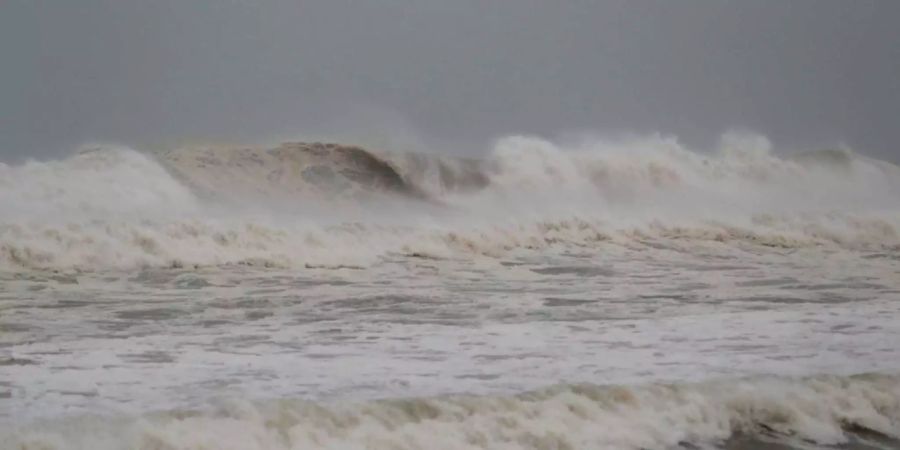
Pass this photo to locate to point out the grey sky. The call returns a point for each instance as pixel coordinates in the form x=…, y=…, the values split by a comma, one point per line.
x=804, y=72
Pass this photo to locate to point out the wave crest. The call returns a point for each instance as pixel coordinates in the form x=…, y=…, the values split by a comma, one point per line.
x=332, y=205
x=825, y=410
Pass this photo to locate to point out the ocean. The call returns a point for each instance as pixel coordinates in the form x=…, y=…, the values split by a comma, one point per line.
x=593, y=294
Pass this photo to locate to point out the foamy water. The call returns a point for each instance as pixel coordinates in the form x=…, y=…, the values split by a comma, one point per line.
x=599, y=294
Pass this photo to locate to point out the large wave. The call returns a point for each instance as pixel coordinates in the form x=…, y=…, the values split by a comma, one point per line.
x=333, y=205
x=863, y=410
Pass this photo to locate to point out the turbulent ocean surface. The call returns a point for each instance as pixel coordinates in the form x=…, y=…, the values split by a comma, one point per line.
x=602, y=294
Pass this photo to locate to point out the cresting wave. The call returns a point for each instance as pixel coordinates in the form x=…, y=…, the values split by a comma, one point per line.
x=327, y=205
x=857, y=410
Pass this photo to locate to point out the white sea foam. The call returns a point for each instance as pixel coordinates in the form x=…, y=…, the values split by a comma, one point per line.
x=93, y=183
x=340, y=206
x=819, y=409
x=611, y=261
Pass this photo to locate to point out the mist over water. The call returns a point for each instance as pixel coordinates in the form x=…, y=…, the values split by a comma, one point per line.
x=411, y=225
x=628, y=293
x=111, y=207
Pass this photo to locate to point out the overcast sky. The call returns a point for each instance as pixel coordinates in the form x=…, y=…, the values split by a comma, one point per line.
x=804, y=72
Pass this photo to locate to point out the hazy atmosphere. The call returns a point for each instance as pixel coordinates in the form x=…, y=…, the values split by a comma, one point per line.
x=806, y=73
x=450, y=225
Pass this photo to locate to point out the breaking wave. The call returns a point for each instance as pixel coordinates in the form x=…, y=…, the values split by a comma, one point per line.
x=333, y=205
x=859, y=411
